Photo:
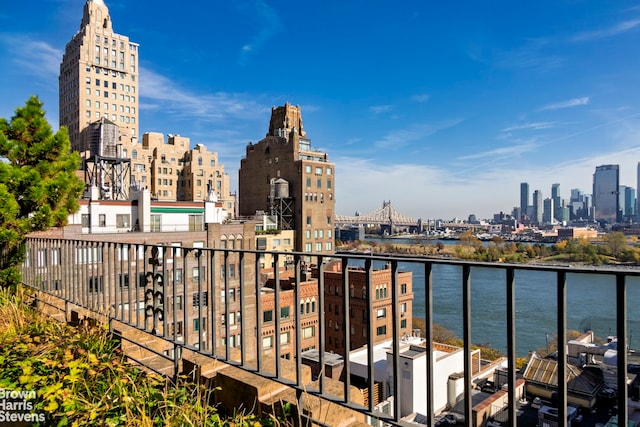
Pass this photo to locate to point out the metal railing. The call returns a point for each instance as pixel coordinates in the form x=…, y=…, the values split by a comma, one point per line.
x=221, y=303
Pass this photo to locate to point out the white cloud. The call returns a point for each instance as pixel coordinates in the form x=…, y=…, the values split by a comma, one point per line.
x=502, y=152
x=420, y=98
x=575, y=102
x=378, y=109
x=157, y=91
x=619, y=28
x=271, y=25
x=530, y=126
x=417, y=132
x=531, y=54
x=34, y=56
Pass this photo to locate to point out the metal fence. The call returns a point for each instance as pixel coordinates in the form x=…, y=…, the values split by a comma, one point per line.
x=222, y=303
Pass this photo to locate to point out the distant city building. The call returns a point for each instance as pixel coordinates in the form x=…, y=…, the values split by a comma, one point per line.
x=282, y=175
x=547, y=212
x=577, y=233
x=637, y=196
x=627, y=202
x=606, y=182
x=537, y=207
x=557, y=202
x=98, y=78
x=524, y=198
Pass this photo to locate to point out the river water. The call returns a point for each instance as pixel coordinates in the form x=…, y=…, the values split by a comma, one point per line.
x=590, y=304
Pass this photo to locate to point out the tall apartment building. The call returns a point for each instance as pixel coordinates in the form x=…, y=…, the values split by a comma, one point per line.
x=173, y=171
x=606, y=182
x=98, y=86
x=282, y=175
x=547, y=211
x=537, y=207
x=524, y=199
x=98, y=78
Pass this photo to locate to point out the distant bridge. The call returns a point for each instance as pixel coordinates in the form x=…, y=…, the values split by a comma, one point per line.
x=386, y=216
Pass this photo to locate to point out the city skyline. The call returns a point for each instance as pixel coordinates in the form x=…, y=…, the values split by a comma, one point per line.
x=455, y=105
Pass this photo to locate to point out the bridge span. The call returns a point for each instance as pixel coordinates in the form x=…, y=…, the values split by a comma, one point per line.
x=387, y=217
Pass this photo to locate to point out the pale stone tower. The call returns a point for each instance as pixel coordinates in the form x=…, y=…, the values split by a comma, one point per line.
x=99, y=78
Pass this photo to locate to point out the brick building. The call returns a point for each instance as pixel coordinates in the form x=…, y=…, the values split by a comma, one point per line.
x=283, y=176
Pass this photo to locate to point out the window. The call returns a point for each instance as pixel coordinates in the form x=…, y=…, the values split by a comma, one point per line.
x=318, y=171
x=381, y=313
x=319, y=183
x=285, y=338
x=197, y=298
x=154, y=223
x=177, y=330
x=308, y=332
x=284, y=312
x=381, y=330
x=123, y=280
x=403, y=288
x=95, y=284
x=267, y=316
x=197, y=273
x=329, y=183
x=328, y=171
x=122, y=221
x=196, y=325
x=403, y=307
x=309, y=220
x=102, y=218
x=307, y=168
x=308, y=182
x=196, y=222
x=403, y=324
x=267, y=342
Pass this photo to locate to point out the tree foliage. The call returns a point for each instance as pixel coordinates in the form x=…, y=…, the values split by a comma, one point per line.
x=38, y=184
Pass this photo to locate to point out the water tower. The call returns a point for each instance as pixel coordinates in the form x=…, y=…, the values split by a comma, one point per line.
x=105, y=165
x=281, y=204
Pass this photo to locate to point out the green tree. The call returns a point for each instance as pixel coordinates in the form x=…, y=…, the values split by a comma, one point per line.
x=38, y=184
x=617, y=242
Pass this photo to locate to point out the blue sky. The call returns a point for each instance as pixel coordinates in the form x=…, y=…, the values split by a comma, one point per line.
x=441, y=107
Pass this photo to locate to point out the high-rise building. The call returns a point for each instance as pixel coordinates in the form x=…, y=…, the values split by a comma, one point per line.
x=557, y=203
x=548, y=210
x=283, y=175
x=605, y=193
x=537, y=207
x=99, y=95
x=638, y=195
x=627, y=202
x=524, y=198
x=98, y=78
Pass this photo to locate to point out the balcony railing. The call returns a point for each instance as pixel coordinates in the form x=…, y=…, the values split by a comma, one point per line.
x=219, y=303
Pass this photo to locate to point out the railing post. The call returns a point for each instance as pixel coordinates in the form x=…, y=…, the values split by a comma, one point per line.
x=396, y=340
x=621, y=330
x=511, y=345
x=562, y=347
x=466, y=315
x=428, y=310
